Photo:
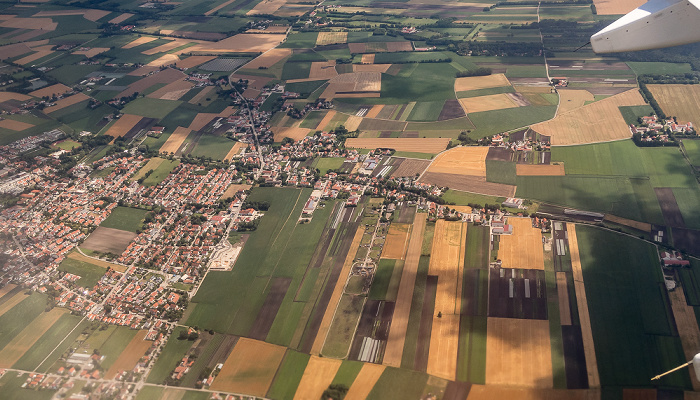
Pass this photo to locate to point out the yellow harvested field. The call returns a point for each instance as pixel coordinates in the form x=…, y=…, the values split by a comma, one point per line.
x=374, y=111
x=67, y=101
x=596, y=122
x=123, y=125
x=193, y=61
x=323, y=70
x=241, y=43
x=382, y=68
x=201, y=120
x=235, y=150
x=518, y=353
x=487, y=392
x=131, y=354
x=320, y=339
x=90, y=14
x=165, y=59
x=616, y=7
x=461, y=161
x=325, y=38
x=416, y=145
x=447, y=252
x=173, y=90
x=173, y=44
x=353, y=122
x=175, y=140
x=58, y=88
x=539, y=169
x=11, y=302
x=642, y=226
x=14, y=125
x=365, y=381
x=269, y=58
x=152, y=164
x=522, y=249
x=480, y=82
x=202, y=95
x=219, y=7
x=487, y=103
x=582, y=304
x=233, y=189
x=326, y=120
x=92, y=52
x=45, y=24
x=14, y=350
x=267, y=7
x=573, y=99
x=100, y=263
x=120, y=18
x=292, y=133
x=563, y=294
x=681, y=101
x=368, y=58
x=402, y=309
x=33, y=57
x=250, y=368
x=396, y=241
x=318, y=375
x=688, y=330
x=139, y=42
x=363, y=81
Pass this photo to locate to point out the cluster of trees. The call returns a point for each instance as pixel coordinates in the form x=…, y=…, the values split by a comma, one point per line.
x=690, y=78
x=481, y=71
x=257, y=205
x=651, y=100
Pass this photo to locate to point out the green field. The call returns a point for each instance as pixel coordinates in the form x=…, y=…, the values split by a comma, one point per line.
x=492, y=122
x=485, y=92
x=692, y=148
x=463, y=198
x=342, y=329
x=627, y=302
x=659, y=68
x=113, y=347
x=288, y=375
x=89, y=274
x=59, y=332
x=173, y=352
x=161, y=172
x=687, y=199
x=426, y=111
x=152, y=108
x=125, y=218
x=399, y=384
x=347, y=373
x=631, y=114
x=500, y=172
x=382, y=278
x=312, y=119
x=296, y=70
x=300, y=40
x=16, y=318
x=216, y=147
x=325, y=163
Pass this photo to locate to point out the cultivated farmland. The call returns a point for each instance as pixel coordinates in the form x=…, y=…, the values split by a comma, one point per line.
x=250, y=368
x=462, y=161
x=681, y=101
x=417, y=145
x=487, y=103
x=396, y=241
x=318, y=375
x=480, y=82
x=522, y=249
x=613, y=7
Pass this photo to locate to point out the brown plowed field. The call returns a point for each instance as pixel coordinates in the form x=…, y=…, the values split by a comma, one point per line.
x=5, y=96
x=582, y=304
x=687, y=326
x=368, y=58
x=396, y=241
x=131, y=355
x=462, y=161
x=596, y=122
x=166, y=76
x=402, y=309
x=522, y=249
x=682, y=101
x=323, y=70
x=45, y=24
x=233, y=189
x=572, y=99
x=540, y=170
x=67, y=101
x=641, y=226
x=466, y=183
x=410, y=167
x=487, y=103
x=33, y=57
x=108, y=240
x=325, y=38
x=563, y=293
x=326, y=120
x=518, y=353
x=281, y=132
x=365, y=381
x=487, y=392
x=268, y=311
x=370, y=68
x=250, y=368
x=58, y=88
x=419, y=145
x=267, y=7
x=480, y=82
x=175, y=140
x=669, y=207
x=318, y=375
x=14, y=125
x=16, y=348
x=447, y=252
x=270, y=58
x=172, y=91
x=616, y=7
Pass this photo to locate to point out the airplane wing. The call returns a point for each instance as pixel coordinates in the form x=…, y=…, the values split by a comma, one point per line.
x=655, y=24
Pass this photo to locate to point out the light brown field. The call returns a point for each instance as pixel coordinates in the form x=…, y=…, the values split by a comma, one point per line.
x=201, y=95
x=396, y=241
x=374, y=111
x=233, y=189
x=92, y=52
x=487, y=103
x=368, y=58
x=540, y=170
x=616, y=7
x=45, y=24
x=363, y=81
x=172, y=91
x=402, y=309
x=582, y=304
x=446, y=254
x=58, y=88
x=418, y=145
x=518, y=353
x=131, y=355
x=462, y=161
x=11, y=302
x=40, y=52
x=193, y=61
x=642, y=226
x=489, y=392
x=562, y=291
x=687, y=328
x=353, y=122
x=14, y=350
x=242, y=43
x=120, y=18
x=14, y=125
x=365, y=381
x=165, y=59
x=67, y=101
x=123, y=125
x=201, y=120
x=152, y=164
x=267, y=7
x=175, y=43
x=250, y=368
x=219, y=7
x=326, y=120
x=139, y=42
x=573, y=99
x=91, y=14
x=596, y=122
x=175, y=140
x=532, y=89
x=323, y=70
x=295, y=133
x=4, y=96
x=318, y=375
x=480, y=82
x=7, y=289
x=100, y=263
x=173, y=394
x=14, y=50
x=522, y=249
x=269, y=58
x=382, y=68
x=331, y=38
x=335, y=297
x=235, y=150
x=682, y=101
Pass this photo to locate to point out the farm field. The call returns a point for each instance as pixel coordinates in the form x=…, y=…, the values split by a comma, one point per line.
x=462, y=161
x=522, y=249
x=124, y=218
x=680, y=101
x=253, y=377
x=431, y=145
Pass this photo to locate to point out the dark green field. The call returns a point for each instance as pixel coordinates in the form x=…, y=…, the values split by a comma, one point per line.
x=89, y=274
x=125, y=218
x=173, y=352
